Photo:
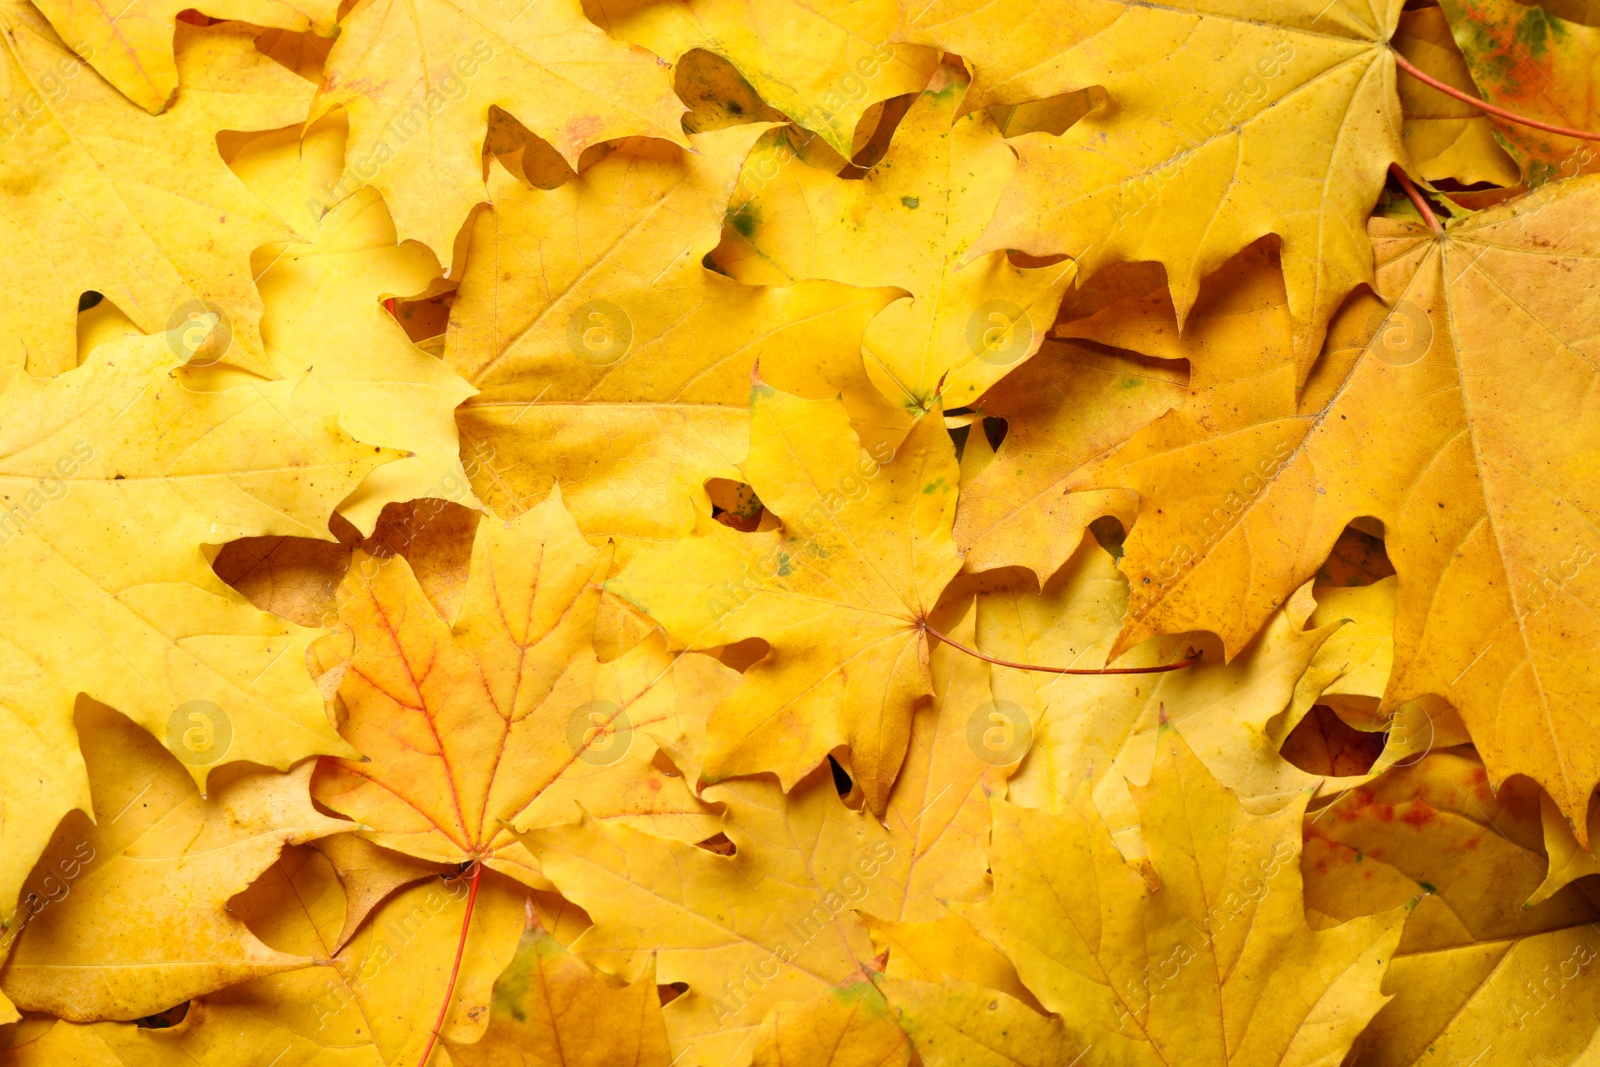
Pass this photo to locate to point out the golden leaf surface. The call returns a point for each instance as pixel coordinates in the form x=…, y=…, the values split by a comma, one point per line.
x=97, y=948
x=821, y=62
x=102, y=196
x=839, y=590
x=608, y=359
x=1424, y=416
x=370, y=1003
x=1447, y=138
x=325, y=320
x=1064, y=408
x=1229, y=123
x=908, y=223
x=1215, y=966
x=871, y=533
x=775, y=923
x=503, y=718
x=418, y=77
x=551, y=1008
x=114, y=474
x=1478, y=972
x=131, y=46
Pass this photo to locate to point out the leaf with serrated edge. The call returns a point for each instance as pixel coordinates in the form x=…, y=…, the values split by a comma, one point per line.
x=1229, y=122
x=610, y=360
x=143, y=923
x=370, y=1003
x=502, y=718
x=1218, y=966
x=907, y=223
x=839, y=591
x=172, y=228
x=417, y=78
x=1477, y=973
x=821, y=62
x=776, y=922
x=115, y=473
x=1461, y=421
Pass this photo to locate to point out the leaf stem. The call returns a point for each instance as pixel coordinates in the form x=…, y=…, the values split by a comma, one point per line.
x=455, y=970
x=1510, y=116
x=1416, y=198
x=1188, y=661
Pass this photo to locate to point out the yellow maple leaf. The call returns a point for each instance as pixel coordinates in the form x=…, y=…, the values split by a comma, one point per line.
x=1229, y=123
x=131, y=47
x=609, y=359
x=1478, y=973
x=114, y=474
x=1217, y=966
x=418, y=77
x=551, y=1008
x=849, y=1026
x=1455, y=417
x=368, y=875
x=1446, y=138
x=938, y=810
x=1240, y=714
x=133, y=915
x=716, y=94
x=1104, y=730
x=1569, y=860
x=839, y=590
x=1361, y=650
x=1066, y=407
x=821, y=62
x=1237, y=338
x=370, y=1002
x=102, y=196
x=947, y=947
x=324, y=320
x=501, y=718
x=908, y=223
x=299, y=579
x=775, y=922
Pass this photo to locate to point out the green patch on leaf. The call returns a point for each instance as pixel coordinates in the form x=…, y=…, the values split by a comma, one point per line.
x=744, y=218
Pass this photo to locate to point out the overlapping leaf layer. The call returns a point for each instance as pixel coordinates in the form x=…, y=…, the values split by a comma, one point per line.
x=799, y=533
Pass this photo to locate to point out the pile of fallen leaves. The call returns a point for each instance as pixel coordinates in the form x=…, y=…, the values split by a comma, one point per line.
x=799, y=532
